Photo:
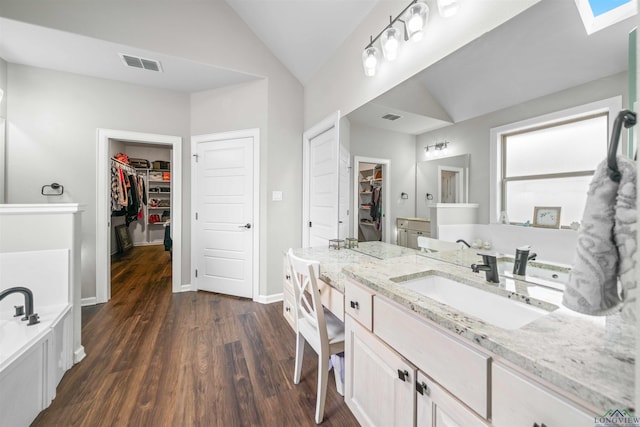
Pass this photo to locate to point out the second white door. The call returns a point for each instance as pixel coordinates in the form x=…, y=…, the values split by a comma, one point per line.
x=224, y=228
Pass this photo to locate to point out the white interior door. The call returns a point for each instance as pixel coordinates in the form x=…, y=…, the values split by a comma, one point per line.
x=323, y=188
x=224, y=227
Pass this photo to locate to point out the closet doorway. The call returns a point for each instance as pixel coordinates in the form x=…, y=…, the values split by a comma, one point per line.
x=148, y=230
x=371, y=180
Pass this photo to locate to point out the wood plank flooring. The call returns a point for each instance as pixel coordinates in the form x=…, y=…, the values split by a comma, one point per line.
x=192, y=359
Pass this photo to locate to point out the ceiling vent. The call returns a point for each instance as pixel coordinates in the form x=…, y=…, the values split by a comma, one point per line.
x=391, y=117
x=143, y=63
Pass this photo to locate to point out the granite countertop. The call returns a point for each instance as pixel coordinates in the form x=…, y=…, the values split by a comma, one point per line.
x=591, y=358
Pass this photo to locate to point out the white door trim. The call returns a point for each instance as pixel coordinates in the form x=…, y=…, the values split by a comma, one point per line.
x=103, y=197
x=245, y=133
x=331, y=121
x=386, y=193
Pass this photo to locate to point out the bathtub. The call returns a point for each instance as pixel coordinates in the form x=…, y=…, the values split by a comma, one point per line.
x=34, y=358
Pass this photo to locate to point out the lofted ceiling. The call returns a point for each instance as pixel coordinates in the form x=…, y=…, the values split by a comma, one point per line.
x=543, y=50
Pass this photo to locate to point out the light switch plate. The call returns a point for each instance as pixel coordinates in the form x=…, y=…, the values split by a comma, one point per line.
x=276, y=196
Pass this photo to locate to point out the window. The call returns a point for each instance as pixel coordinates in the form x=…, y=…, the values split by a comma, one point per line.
x=551, y=165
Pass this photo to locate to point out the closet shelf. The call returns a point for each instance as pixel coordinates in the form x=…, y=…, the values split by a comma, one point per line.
x=166, y=208
x=367, y=223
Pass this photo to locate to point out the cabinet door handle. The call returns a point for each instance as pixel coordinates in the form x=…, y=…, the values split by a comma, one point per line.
x=355, y=305
x=539, y=425
x=422, y=388
x=288, y=309
x=403, y=374
x=288, y=277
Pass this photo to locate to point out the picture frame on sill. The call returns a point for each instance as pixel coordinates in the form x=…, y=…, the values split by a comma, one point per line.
x=123, y=238
x=546, y=216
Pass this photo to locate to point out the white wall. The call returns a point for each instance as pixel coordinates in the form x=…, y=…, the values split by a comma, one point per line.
x=211, y=33
x=3, y=115
x=341, y=84
x=52, y=121
x=399, y=148
x=472, y=136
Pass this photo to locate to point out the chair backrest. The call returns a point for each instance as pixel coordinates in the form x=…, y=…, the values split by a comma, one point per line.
x=435, y=245
x=305, y=288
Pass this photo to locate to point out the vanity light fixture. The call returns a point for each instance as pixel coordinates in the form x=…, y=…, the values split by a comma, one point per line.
x=413, y=19
x=437, y=150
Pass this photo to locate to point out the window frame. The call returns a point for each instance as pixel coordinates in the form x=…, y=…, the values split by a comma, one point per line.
x=609, y=106
x=503, y=157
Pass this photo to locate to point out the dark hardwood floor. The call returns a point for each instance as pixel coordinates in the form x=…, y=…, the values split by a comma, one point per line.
x=192, y=359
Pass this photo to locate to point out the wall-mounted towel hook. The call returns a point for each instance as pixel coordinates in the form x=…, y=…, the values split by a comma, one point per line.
x=404, y=195
x=57, y=189
x=628, y=118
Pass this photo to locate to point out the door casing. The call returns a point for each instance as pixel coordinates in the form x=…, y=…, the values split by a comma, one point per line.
x=103, y=194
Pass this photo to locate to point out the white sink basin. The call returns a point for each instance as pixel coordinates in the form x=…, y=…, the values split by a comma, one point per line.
x=495, y=309
x=547, y=277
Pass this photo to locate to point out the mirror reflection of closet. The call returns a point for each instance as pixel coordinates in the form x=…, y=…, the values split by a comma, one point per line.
x=370, y=198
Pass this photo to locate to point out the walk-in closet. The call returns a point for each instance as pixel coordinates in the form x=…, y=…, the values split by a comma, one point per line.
x=370, y=212
x=140, y=197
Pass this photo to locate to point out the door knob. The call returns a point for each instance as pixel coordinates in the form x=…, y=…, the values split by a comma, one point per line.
x=247, y=225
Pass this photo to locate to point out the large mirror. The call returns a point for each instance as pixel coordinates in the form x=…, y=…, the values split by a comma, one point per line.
x=541, y=61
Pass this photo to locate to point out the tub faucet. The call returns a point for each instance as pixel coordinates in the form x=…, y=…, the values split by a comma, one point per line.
x=462, y=241
x=28, y=302
x=522, y=256
x=489, y=266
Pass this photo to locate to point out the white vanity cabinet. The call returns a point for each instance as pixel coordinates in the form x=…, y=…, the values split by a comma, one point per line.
x=437, y=408
x=381, y=368
x=518, y=401
x=379, y=383
x=288, y=296
x=409, y=229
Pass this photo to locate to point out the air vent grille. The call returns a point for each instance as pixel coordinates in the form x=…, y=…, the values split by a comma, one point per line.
x=391, y=117
x=144, y=63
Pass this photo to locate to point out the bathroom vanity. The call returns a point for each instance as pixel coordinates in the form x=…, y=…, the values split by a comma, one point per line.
x=436, y=364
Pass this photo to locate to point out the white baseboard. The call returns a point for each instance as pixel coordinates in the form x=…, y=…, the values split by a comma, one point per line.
x=269, y=299
x=88, y=301
x=79, y=354
x=186, y=287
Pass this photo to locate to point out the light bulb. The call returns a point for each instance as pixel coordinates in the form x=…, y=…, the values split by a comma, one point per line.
x=417, y=16
x=370, y=61
x=390, y=41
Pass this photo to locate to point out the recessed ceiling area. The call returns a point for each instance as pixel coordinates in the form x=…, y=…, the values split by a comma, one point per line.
x=36, y=46
x=542, y=51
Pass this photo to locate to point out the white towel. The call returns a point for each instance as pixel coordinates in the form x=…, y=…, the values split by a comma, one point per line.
x=624, y=234
x=593, y=284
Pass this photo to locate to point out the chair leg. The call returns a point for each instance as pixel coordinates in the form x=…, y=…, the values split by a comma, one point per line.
x=337, y=372
x=299, y=354
x=323, y=378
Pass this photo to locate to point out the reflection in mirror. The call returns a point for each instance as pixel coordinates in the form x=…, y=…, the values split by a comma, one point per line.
x=441, y=180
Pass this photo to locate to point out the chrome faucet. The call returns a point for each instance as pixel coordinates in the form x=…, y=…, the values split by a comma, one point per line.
x=28, y=302
x=489, y=266
x=522, y=256
x=462, y=241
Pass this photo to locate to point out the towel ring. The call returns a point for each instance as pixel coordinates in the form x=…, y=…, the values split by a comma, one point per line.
x=628, y=118
x=57, y=188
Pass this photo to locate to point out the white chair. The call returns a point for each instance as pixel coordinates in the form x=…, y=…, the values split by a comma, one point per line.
x=434, y=245
x=319, y=327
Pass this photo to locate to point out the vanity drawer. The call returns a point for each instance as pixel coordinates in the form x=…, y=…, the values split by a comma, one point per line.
x=423, y=226
x=518, y=401
x=288, y=307
x=402, y=223
x=461, y=370
x=359, y=304
x=332, y=299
